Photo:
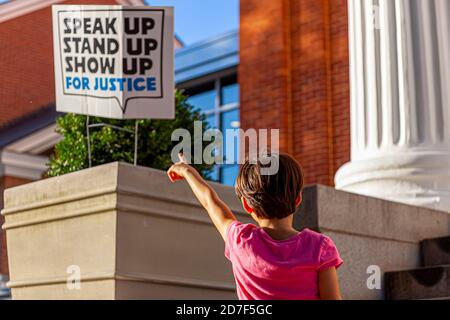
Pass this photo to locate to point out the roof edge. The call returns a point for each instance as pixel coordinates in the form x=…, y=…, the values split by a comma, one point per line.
x=207, y=42
x=27, y=124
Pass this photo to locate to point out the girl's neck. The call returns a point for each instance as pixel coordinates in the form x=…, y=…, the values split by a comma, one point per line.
x=278, y=229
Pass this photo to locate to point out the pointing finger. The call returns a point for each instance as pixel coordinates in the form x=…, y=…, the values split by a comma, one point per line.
x=182, y=158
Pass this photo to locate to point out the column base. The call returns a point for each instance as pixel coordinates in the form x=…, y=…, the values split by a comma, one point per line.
x=416, y=178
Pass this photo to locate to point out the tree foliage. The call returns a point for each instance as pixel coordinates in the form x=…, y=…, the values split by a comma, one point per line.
x=109, y=144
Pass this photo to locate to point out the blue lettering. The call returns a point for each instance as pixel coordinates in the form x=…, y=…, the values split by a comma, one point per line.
x=85, y=83
x=112, y=84
x=121, y=83
x=136, y=84
x=151, y=84
x=76, y=83
x=68, y=82
x=103, y=84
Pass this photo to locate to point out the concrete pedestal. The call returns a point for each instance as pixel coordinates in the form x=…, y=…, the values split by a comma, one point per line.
x=131, y=233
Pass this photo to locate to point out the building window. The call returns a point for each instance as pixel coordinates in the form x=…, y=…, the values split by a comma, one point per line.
x=204, y=98
x=218, y=99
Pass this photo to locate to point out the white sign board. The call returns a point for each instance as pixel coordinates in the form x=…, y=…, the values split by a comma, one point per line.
x=114, y=61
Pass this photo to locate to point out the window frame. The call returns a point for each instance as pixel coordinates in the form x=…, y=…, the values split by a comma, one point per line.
x=216, y=79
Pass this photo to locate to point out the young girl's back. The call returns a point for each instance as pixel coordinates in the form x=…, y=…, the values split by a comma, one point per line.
x=272, y=261
x=265, y=268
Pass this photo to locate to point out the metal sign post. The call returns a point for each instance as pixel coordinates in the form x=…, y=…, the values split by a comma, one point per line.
x=100, y=125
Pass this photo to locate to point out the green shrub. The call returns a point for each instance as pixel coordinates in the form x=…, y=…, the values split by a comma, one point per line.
x=109, y=145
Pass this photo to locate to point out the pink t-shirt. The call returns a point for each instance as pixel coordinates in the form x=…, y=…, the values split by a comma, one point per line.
x=268, y=269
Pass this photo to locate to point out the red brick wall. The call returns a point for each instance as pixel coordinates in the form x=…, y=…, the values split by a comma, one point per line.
x=293, y=75
x=5, y=183
x=26, y=68
x=340, y=78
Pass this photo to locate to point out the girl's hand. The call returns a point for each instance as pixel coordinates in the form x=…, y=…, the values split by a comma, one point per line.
x=220, y=214
x=178, y=170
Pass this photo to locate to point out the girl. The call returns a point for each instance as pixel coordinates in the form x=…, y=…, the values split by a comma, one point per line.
x=272, y=261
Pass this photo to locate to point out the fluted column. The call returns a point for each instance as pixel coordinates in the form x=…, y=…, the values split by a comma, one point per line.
x=400, y=101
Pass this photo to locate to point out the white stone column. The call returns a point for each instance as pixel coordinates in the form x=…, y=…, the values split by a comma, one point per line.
x=400, y=101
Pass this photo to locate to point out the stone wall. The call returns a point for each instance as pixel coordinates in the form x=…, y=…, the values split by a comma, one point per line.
x=369, y=232
x=133, y=234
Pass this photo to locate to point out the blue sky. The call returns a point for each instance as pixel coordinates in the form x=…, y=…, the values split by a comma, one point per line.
x=196, y=20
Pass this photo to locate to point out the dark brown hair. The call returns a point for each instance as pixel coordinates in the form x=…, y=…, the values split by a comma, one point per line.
x=271, y=196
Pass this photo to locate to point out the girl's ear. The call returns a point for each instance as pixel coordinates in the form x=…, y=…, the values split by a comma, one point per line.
x=246, y=206
x=298, y=200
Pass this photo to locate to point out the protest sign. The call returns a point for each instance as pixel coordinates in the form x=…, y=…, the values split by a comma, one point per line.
x=114, y=61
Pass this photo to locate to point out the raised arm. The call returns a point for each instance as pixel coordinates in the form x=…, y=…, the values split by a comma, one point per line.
x=218, y=211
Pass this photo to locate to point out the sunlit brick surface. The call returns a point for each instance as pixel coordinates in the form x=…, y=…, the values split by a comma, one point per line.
x=293, y=75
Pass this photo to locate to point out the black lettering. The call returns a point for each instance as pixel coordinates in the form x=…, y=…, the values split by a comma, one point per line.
x=69, y=67
x=113, y=46
x=138, y=49
x=130, y=69
x=92, y=65
x=86, y=48
x=77, y=44
x=110, y=26
x=87, y=25
x=66, y=41
x=107, y=65
x=99, y=45
x=150, y=44
x=131, y=30
x=147, y=24
x=80, y=64
x=144, y=65
x=66, y=25
x=97, y=26
x=76, y=24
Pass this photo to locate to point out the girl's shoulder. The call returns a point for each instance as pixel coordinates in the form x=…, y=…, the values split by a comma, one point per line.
x=312, y=234
x=324, y=248
x=314, y=237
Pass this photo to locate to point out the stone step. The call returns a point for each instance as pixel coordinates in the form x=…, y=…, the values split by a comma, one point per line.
x=5, y=293
x=435, y=252
x=423, y=283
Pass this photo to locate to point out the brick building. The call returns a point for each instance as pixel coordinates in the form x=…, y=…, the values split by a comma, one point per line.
x=287, y=68
x=293, y=74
